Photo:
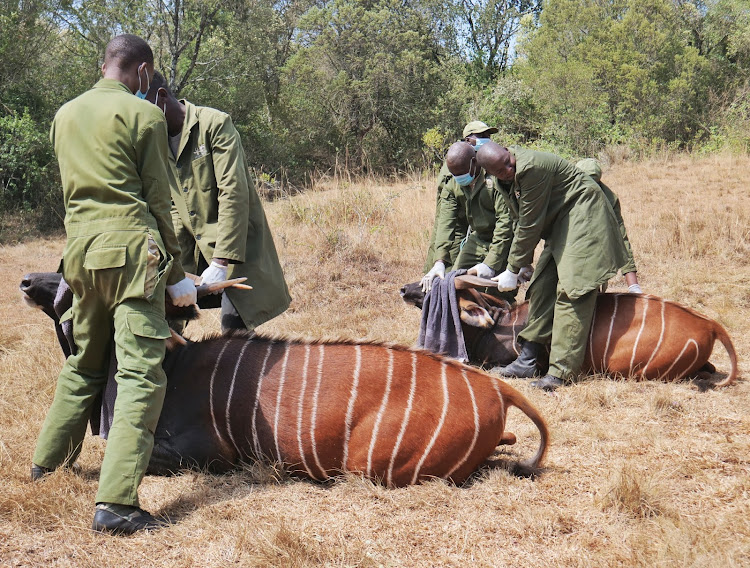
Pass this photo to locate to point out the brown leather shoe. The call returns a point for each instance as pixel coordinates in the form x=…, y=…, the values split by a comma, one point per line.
x=124, y=519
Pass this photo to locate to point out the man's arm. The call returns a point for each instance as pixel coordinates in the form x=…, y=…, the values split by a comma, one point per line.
x=502, y=236
x=445, y=229
x=534, y=189
x=615, y=202
x=153, y=158
x=234, y=192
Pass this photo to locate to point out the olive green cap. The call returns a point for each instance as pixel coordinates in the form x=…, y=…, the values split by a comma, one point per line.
x=478, y=127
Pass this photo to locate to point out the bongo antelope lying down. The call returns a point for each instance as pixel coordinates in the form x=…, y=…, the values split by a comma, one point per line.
x=393, y=414
x=633, y=335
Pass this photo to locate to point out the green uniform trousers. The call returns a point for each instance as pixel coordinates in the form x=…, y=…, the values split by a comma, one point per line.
x=555, y=317
x=474, y=251
x=138, y=328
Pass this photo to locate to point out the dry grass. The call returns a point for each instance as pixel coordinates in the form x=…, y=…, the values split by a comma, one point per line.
x=641, y=474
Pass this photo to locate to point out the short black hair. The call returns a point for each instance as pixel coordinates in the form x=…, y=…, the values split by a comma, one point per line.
x=126, y=50
x=160, y=82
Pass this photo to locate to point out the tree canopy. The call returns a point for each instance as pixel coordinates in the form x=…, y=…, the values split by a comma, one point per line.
x=381, y=86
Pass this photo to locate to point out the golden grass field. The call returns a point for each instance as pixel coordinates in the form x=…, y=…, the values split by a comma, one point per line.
x=638, y=474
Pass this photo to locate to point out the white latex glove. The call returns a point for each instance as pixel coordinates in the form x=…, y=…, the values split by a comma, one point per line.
x=214, y=273
x=481, y=270
x=525, y=274
x=635, y=289
x=506, y=281
x=183, y=293
x=437, y=270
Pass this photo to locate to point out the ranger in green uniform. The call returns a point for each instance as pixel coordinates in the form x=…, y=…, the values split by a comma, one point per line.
x=120, y=253
x=476, y=194
x=461, y=227
x=217, y=214
x=475, y=133
x=555, y=201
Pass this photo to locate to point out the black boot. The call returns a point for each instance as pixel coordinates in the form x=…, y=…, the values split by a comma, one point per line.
x=524, y=367
x=548, y=383
x=123, y=519
x=37, y=472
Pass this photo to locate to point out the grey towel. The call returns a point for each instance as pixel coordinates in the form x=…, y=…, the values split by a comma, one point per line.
x=440, y=330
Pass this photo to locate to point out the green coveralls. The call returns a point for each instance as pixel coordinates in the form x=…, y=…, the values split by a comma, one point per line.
x=217, y=213
x=545, y=291
x=555, y=201
x=490, y=221
x=120, y=253
x=461, y=228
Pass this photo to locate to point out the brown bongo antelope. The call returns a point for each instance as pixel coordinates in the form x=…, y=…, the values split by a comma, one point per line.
x=633, y=335
x=393, y=414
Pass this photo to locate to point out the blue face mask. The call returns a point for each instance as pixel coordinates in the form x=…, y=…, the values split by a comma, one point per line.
x=138, y=93
x=480, y=142
x=464, y=179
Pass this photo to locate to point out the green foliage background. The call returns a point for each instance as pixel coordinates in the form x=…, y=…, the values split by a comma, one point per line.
x=384, y=86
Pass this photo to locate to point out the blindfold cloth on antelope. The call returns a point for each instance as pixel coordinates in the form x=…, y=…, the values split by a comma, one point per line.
x=440, y=330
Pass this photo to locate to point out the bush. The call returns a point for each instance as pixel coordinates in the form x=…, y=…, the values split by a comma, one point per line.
x=25, y=156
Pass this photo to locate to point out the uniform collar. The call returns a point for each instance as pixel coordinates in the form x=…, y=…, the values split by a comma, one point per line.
x=113, y=84
x=191, y=119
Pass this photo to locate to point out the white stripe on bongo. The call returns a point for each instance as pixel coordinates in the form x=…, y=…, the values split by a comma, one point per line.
x=658, y=343
x=476, y=426
x=282, y=379
x=609, y=335
x=231, y=393
x=515, y=335
x=314, y=413
x=640, y=332
x=687, y=343
x=494, y=383
x=381, y=411
x=211, y=390
x=261, y=376
x=407, y=414
x=350, y=406
x=303, y=388
x=435, y=434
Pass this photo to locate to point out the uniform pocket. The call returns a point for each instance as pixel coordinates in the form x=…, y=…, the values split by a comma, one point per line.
x=148, y=325
x=103, y=258
x=203, y=173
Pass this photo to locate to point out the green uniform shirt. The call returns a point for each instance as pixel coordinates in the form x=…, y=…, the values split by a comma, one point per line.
x=486, y=212
x=115, y=171
x=217, y=213
x=555, y=201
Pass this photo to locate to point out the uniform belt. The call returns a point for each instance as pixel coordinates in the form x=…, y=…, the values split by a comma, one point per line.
x=105, y=225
